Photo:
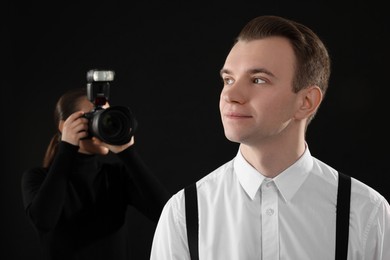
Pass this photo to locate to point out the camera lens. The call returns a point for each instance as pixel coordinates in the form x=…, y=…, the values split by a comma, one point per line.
x=114, y=125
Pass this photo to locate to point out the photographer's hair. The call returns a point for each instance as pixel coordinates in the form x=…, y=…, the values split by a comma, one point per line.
x=312, y=59
x=67, y=104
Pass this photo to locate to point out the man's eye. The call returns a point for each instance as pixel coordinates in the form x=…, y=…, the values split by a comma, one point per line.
x=258, y=81
x=228, y=81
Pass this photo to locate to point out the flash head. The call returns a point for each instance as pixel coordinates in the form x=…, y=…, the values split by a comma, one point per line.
x=96, y=75
x=98, y=86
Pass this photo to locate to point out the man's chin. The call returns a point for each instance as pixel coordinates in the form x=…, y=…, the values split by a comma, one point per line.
x=233, y=138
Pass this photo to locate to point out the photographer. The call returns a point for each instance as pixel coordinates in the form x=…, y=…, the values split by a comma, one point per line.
x=77, y=201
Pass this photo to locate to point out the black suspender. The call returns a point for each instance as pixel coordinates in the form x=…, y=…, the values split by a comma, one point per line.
x=342, y=218
x=191, y=206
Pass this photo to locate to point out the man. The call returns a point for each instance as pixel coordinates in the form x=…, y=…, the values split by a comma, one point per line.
x=274, y=200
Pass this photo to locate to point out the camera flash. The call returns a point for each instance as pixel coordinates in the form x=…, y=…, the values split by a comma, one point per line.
x=100, y=75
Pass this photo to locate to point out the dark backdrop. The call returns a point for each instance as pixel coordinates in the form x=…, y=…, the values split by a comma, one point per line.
x=167, y=59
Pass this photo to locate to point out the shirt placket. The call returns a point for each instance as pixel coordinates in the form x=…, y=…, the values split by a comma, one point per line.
x=269, y=220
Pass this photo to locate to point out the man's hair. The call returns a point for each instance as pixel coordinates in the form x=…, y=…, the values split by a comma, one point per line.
x=312, y=59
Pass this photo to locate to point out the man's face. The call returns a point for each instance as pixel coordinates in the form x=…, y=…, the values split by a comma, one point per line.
x=257, y=102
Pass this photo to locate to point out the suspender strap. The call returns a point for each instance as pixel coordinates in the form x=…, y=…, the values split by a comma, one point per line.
x=342, y=216
x=191, y=207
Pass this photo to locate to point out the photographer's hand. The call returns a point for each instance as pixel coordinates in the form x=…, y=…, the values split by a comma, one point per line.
x=113, y=148
x=74, y=128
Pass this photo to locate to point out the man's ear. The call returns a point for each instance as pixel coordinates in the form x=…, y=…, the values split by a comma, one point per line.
x=61, y=125
x=311, y=99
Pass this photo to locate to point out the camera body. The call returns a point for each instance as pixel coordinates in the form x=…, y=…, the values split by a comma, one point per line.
x=114, y=125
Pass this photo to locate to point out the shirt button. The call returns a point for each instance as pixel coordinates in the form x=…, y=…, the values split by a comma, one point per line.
x=268, y=184
x=269, y=212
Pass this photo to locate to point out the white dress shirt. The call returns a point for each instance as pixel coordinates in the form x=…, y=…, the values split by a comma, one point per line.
x=245, y=216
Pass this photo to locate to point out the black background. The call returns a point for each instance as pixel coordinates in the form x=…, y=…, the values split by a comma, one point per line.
x=167, y=59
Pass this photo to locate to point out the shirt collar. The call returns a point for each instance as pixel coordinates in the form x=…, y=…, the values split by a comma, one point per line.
x=287, y=182
x=249, y=178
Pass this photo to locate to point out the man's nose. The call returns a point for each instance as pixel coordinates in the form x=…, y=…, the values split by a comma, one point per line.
x=235, y=93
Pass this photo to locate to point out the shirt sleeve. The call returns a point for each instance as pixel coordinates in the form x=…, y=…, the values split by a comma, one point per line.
x=170, y=237
x=378, y=233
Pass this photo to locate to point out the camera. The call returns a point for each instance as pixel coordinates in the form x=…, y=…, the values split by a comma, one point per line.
x=113, y=125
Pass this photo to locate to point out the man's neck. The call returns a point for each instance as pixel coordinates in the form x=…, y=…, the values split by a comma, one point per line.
x=271, y=159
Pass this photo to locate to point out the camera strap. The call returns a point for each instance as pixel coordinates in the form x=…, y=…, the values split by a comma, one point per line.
x=342, y=218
